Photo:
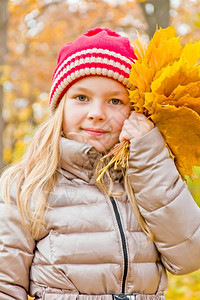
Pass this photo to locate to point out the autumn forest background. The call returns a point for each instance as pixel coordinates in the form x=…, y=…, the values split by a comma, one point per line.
x=32, y=32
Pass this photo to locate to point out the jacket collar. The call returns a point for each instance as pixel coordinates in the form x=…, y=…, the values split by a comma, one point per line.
x=80, y=160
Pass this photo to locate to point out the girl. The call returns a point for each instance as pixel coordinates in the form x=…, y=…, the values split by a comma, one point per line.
x=64, y=237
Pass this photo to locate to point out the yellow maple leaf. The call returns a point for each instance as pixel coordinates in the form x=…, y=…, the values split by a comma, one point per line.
x=170, y=94
x=151, y=101
x=180, y=128
x=139, y=47
x=141, y=76
x=167, y=89
x=137, y=100
x=174, y=75
x=192, y=89
x=187, y=101
x=190, y=53
x=163, y=41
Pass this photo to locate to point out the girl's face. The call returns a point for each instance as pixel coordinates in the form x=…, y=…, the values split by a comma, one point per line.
x=95, y=110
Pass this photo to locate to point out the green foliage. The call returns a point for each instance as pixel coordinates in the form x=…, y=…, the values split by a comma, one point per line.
x=185, y=287
x=197, y=20
x=194, y=186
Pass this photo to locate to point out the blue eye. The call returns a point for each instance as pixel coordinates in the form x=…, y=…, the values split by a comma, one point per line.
x=115, y=101
x=81, y=98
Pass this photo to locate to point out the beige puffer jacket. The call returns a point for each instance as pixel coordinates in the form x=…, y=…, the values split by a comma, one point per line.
x=91, y=246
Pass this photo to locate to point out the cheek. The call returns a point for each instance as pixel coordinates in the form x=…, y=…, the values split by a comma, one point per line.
x=120, y=117
x=64, y=127
x=69, y=114
x=67, y=119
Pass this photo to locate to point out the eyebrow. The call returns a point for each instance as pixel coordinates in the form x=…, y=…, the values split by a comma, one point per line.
x=82, y=89
x=114, y=92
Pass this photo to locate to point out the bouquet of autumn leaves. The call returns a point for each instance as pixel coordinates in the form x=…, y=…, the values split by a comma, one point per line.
x=166, y=77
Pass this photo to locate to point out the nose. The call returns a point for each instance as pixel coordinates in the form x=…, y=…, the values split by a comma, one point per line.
x=97, y=111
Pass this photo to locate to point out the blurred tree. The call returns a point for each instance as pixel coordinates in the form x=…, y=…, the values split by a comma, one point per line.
x=3, y=51
x=185, y=16
x=156, y=14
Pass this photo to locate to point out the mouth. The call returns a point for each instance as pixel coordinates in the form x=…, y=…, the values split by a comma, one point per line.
x=95, y=131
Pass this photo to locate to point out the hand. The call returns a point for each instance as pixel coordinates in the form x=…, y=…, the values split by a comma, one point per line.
x=135, y=126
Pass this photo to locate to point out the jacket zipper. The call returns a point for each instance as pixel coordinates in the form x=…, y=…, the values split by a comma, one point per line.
x=123, y=239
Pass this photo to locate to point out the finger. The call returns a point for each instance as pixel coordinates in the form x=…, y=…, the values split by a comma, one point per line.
x=138, y=116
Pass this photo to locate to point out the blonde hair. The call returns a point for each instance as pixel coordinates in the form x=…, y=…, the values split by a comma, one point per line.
x=35, y=173
x=35, y=176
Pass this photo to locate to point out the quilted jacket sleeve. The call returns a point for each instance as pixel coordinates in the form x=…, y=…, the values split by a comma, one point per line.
x=166, y=204
x=16, y=254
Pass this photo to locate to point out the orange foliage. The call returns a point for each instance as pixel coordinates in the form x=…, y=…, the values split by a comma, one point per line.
x=35, y=34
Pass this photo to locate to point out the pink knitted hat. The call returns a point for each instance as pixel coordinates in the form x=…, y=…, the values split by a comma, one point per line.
x=100, y=52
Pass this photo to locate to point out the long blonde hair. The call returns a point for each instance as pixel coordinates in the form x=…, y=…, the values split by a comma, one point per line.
x=35, y=176
x=35, y=173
